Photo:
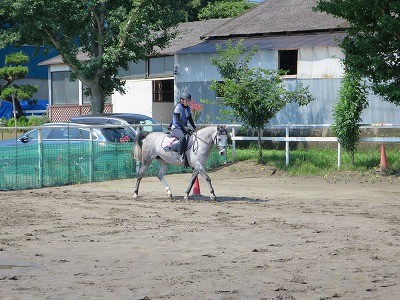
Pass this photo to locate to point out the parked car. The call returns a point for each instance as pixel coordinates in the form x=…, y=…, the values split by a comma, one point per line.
x=69, y=153
x=146, y=123
x=72, y=133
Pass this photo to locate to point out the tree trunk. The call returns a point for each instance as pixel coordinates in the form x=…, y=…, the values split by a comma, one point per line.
x=260, y=134
x=97, y=101
x=18, y=107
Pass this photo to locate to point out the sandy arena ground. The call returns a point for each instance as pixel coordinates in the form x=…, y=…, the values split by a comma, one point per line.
x=268, y=237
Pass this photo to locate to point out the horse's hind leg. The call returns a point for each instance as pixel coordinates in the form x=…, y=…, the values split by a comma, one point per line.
x=160, y=176
x=140, y=174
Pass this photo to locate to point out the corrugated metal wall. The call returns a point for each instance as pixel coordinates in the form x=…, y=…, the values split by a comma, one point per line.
x=320, y=62
x=317, y=112
x=319, y=68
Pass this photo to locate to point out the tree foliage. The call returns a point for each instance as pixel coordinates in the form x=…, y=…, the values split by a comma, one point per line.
x=372, y=44
x=214, y=9
x=224, y=9
x=347, y=112
x=109, y=34
x=255, y=95
x=14, y=69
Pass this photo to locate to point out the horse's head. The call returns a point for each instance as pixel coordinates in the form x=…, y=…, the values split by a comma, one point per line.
x=221, y=139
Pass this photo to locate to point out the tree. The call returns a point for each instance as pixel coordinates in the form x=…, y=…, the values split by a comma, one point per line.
x=12, y=70
x=109, y=34
x=214, y=9
x=255, y=95
x=224, y=9
x=372, y=44
x=347, y=113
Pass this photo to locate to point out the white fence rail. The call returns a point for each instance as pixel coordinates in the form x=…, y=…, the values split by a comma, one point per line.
x=287, y=138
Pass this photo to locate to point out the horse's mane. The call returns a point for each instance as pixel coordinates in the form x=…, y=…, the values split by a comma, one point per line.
x=207, y=128
x=213, y=128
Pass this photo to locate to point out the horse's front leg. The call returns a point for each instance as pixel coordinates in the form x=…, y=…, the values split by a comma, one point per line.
x=160, y=176
x=189, y=188
x=208, y=179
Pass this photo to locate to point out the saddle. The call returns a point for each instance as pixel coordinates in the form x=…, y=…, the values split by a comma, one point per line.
x=171, y=143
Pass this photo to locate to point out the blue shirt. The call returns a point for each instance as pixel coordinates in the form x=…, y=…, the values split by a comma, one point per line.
x=184, y=114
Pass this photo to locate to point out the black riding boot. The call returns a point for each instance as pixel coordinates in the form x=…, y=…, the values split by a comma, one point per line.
x=182, y=149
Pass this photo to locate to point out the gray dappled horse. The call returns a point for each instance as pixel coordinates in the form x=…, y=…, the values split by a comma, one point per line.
x=148, y=147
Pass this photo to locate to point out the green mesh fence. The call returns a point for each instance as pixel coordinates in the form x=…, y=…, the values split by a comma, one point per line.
x=34, y=166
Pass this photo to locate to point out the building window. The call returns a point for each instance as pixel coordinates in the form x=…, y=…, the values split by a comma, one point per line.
x=161, y=66
x=288, y=61
x=64, y=91
x=163, y=90
x=138, y=69
x=135, y=70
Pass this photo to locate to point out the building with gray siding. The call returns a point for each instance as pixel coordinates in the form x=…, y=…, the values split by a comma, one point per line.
x=289, y=35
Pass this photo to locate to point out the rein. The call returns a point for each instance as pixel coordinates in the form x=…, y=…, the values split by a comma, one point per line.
x=214, y=140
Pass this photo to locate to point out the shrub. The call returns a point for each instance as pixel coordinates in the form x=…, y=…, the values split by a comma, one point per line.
x=21, y=122
x=347, y=113
x=37, y=121
x=25, y=122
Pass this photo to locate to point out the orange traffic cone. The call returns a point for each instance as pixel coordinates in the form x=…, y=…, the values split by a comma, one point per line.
x=384, y=164
x=196, y=187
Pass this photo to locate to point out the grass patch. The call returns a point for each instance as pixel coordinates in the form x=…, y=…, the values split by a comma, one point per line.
x=313, y=162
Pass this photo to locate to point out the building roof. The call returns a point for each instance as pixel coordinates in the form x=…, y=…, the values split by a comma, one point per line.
x=271, y=17
x=57, y=60
x=271, y=42
x=278, y=17
x=189, y=34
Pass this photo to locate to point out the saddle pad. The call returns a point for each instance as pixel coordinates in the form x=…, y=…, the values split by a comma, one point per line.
x=167, y=141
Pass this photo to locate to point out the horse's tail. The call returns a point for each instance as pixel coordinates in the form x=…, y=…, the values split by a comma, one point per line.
x=137, y=148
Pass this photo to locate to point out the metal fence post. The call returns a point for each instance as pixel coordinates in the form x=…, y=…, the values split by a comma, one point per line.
x=233, y=144
x=40, y=154
x=287, y=145
x=91, y=154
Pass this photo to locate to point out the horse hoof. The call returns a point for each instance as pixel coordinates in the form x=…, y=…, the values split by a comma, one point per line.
x=213, y=198
x=169, y=194
x=135, y=196
x=186, y=197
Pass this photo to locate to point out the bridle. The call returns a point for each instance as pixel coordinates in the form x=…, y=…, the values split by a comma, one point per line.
x=220, y=131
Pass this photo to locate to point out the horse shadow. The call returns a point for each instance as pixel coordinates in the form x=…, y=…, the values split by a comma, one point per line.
x=226, y=199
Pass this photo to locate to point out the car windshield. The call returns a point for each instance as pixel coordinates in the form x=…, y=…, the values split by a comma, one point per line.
x=70, y=133
x=118, y=134
x=148, y=122
x=33, y=134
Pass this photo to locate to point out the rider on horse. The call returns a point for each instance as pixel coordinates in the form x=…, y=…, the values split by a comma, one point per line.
x=180, y=118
